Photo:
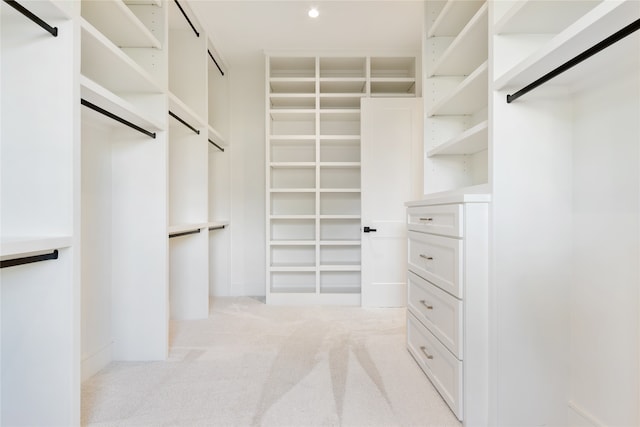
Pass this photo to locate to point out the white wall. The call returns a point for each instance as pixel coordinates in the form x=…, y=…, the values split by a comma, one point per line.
x=247, y=177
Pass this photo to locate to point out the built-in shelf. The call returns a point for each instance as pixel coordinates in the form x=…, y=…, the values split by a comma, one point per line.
x=468, y=97
x=471, y=141
x=182, y=228
x=107, y=100
x=116, y=21
x=22, y=245
x=144, y=2
x=541, y=17
x=340, y=267
x=292, y=243
x=465, y=53
x=453, y=17
x=106, y=64
x=182, y=110
x=596, y=25
x=215, y=136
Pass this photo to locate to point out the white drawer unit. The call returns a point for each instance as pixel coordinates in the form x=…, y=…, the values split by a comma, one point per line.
x=445, y=220
x=437, y=310
x=443, y=368
x=447, y=323
x=437, y=259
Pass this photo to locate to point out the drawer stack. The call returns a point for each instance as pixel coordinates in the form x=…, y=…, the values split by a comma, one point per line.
x=447, y=321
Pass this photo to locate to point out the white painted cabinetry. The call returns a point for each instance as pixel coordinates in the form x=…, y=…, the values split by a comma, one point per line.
x=447, y=320
x=39, y=214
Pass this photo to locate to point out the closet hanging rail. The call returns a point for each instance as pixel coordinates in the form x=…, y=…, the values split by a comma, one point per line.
x=184, y=123
x=187, y=18
x=215, y=62
x=116, y=118
x=184, y=233
x=216, y=145
x=217, y=227
x=17, y=6
x=614, y=38
x=29, y=259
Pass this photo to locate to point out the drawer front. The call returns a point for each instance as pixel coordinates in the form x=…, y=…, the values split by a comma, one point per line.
x=437, y=259
x=442, y=368
x=439, y=311
x=438, y=219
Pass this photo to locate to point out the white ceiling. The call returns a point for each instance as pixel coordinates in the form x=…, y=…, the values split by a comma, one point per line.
x=241, y=28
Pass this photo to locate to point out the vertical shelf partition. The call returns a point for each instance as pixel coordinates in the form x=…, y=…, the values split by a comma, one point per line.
x=313, y=171
x=39, y=205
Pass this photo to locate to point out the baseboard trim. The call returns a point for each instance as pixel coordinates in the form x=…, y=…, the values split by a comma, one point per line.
x=579, y=417
x=93, y=363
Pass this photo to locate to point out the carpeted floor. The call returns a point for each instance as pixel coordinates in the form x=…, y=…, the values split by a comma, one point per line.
x=250, y=364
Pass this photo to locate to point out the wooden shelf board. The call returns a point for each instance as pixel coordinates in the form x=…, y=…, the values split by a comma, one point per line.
x=103, y=98
x=470, y=96
x=542, y=17
x=468, y=49
x=106, y=64
x=453, y=17
x=11, y=246
x=471, y=141
x=116, y=21
x=596, y=25
x=182, y=110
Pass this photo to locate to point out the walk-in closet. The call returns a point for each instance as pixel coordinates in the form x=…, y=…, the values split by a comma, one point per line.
x=234, y=212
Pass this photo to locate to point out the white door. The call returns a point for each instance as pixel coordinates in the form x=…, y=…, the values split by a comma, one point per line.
x=391, y=170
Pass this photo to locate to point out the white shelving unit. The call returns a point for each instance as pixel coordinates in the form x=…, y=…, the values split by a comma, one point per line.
x=313, y=164
x=565, y=246
x=456, y=97
x=123, y=184
x=39, y=207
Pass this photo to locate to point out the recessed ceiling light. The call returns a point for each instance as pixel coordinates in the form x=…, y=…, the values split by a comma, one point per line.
x=313, y=12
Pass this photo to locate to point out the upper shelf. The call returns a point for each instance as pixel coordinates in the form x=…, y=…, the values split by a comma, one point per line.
x=596, y=25
x=542, y=17
x=96, y=94
x=468, y=49
x=453, y=17
x=14, y=245
x=116, y=21
x=471, y=141
x=105, y=63
x=470, y=96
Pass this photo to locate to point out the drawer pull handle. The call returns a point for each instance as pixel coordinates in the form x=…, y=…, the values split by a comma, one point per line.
x=423, y=302
x=424, y=350
x=428, y=258
x=426, y=219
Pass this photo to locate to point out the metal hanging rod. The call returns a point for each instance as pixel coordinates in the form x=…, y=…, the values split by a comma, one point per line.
x=184, y=233
x=217, y=227
x=215, y=62
x=116, y=118
x=629, y=29
x=184, y=123
x=187, y=18
x=216, y=145
x=28, y=259
x=17, y=6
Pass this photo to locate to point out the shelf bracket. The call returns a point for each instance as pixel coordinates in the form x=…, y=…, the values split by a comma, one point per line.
x=26, y=12
x=614, y=38
x=28, y=260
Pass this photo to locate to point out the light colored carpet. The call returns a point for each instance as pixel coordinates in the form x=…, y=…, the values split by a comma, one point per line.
x=250, y=364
